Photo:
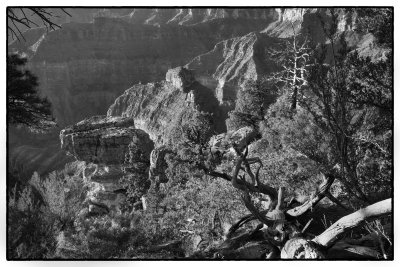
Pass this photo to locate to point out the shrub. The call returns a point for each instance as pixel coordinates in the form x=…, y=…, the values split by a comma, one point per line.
x=30, y=227
x=41, y=209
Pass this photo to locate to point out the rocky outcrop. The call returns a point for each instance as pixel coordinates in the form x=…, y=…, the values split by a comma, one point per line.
x=310, y=21
x=101, y=140
x=157, y=107
x=112, y=147
x=181, y=78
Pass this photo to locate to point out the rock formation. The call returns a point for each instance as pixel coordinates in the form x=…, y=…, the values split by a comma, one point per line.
x=181, y=78
x=112, y=147
x=156, y=107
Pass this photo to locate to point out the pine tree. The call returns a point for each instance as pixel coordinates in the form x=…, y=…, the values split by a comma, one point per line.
x=24, y=105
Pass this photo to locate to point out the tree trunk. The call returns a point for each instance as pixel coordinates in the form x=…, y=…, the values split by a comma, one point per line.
x=330, y=235
x=294, y=98
x=300, y=248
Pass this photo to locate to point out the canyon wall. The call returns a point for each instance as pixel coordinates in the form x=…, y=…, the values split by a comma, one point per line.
x=232, y=62
x=97, y=54
x=83, y=67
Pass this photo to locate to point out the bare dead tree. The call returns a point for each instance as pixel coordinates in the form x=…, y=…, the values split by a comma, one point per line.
x=25, y=17
x=294, y=58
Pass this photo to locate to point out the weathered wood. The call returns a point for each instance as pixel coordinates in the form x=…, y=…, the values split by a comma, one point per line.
x=330, y=235
x=306, y=226
x=322, y=190
x=280, y=199
x=256, y=213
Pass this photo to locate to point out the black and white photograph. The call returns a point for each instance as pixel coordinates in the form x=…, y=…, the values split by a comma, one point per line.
x=199, y=133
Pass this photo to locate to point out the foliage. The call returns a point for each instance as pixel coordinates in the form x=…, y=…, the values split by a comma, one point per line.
x=192, y=127
x=62, y=191
x=343, y=105
x=191, y=204
x=24, y=105
x=296, y=151
x=136, y=185
x=39, y=211
x=251, y=104
x=100, y=237
x=30, y=228
x=344, y=120
x=379, y=22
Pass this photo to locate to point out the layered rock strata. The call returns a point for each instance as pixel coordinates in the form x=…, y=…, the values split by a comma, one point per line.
x=232, y=63
x=112, y=148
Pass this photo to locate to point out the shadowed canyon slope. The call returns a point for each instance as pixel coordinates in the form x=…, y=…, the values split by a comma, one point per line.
x=156, y=107
x=83, y=67
x=232, y=62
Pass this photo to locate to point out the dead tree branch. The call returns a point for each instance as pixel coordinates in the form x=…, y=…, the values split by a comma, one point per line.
x=321, y=193
x=330, y=235
x=26, y=17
